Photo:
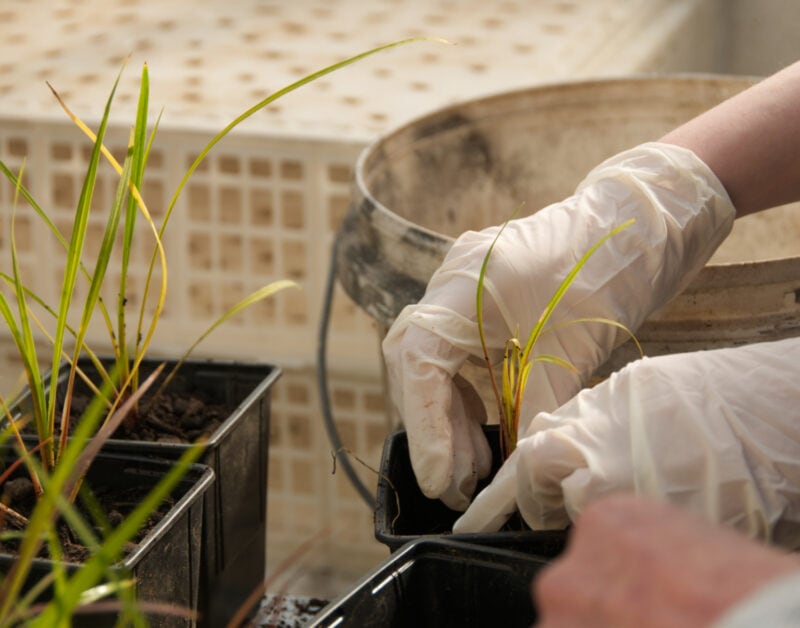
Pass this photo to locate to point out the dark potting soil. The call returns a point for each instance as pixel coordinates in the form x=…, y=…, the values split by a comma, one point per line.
x=180, y=417
x=177, y=417
x=286, y=611
x=115, y=504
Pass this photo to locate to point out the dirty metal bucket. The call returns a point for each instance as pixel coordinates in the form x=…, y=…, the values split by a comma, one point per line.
x=468, y=166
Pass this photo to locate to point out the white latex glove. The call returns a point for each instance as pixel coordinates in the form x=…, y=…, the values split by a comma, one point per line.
x=682, y=214
x=774, y=605
x=717, y=432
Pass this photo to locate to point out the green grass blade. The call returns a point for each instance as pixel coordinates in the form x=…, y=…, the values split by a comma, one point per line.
x=138, y=157
x=554, y=359
x=16, y=181
x=159, y=248
x=24, y=607
x=272, y=98
x=151, y=267
x=26, y=344
x=105, y=590
x=93, y=294
x=75, y=250
x=259, y=295
x=22, y=191
x=604, y=321
x=86, y=349
x=498, y=391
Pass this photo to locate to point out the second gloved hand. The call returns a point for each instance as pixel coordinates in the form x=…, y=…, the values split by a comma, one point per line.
x=717, y=432
x=682, y=214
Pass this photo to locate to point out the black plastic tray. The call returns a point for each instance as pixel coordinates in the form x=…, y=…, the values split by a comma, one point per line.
x=440, y=582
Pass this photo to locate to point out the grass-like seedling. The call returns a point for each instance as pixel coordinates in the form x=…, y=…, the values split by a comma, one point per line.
x=519, y=358
x=60, y=458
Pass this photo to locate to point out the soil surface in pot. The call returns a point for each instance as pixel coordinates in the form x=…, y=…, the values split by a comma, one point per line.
x=116, y=503
x=286, y=611
x=171, y=417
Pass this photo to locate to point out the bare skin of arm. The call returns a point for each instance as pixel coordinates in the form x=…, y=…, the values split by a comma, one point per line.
x=752, y=142
x=633, y=562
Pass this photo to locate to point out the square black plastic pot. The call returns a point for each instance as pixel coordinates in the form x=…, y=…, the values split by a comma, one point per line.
x=235, y=527
x=166, y=562
x=404, y=514
x=441, y=583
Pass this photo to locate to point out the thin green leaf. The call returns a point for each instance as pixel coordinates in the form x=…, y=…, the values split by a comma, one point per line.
x=93, y=294
x=272, y=98
x=554, y=359
x=139, y=156
x=517, y=362
x=41, y=520
x=259, y=295
x=562, y=289
x=75, y=250
x=147, y=337
x=499, y=392
x=604, y=321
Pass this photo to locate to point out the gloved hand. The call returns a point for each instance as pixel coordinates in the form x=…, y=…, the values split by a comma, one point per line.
x=717, y=432
x=682, y=214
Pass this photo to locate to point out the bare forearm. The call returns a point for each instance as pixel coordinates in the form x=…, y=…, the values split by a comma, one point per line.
x=752, y=142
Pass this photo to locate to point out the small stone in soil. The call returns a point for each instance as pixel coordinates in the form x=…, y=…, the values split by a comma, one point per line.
x=18, y=489
x=278, y=611
x=193, y=415
x=169, y=438
x=115, y=518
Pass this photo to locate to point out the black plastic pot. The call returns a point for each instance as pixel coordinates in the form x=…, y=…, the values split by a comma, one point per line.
x=166, y=562
x=418, y=516
x=235, y=527
x=438, y=582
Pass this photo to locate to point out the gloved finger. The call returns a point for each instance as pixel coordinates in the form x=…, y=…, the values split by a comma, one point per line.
x=547, y=461
x=530, y=481
x=476, y=412
x=493, y=506
x=449, y=310
x=420, y=367
x=472, y=457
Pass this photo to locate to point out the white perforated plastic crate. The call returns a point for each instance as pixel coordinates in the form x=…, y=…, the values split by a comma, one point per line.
x=266, y=203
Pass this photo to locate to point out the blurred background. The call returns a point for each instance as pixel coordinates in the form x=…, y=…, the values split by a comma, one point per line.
x=269, y=200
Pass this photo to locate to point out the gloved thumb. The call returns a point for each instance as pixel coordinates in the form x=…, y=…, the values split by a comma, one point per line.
x=531, y=481
x=492, y=507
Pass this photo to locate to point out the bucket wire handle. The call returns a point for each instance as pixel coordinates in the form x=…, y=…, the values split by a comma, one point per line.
x=322, y=383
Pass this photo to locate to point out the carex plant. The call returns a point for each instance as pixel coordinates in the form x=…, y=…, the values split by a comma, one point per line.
x=519, y=355
x=59, y=456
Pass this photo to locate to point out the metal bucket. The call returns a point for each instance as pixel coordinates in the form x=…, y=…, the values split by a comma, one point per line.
x=468, y=166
